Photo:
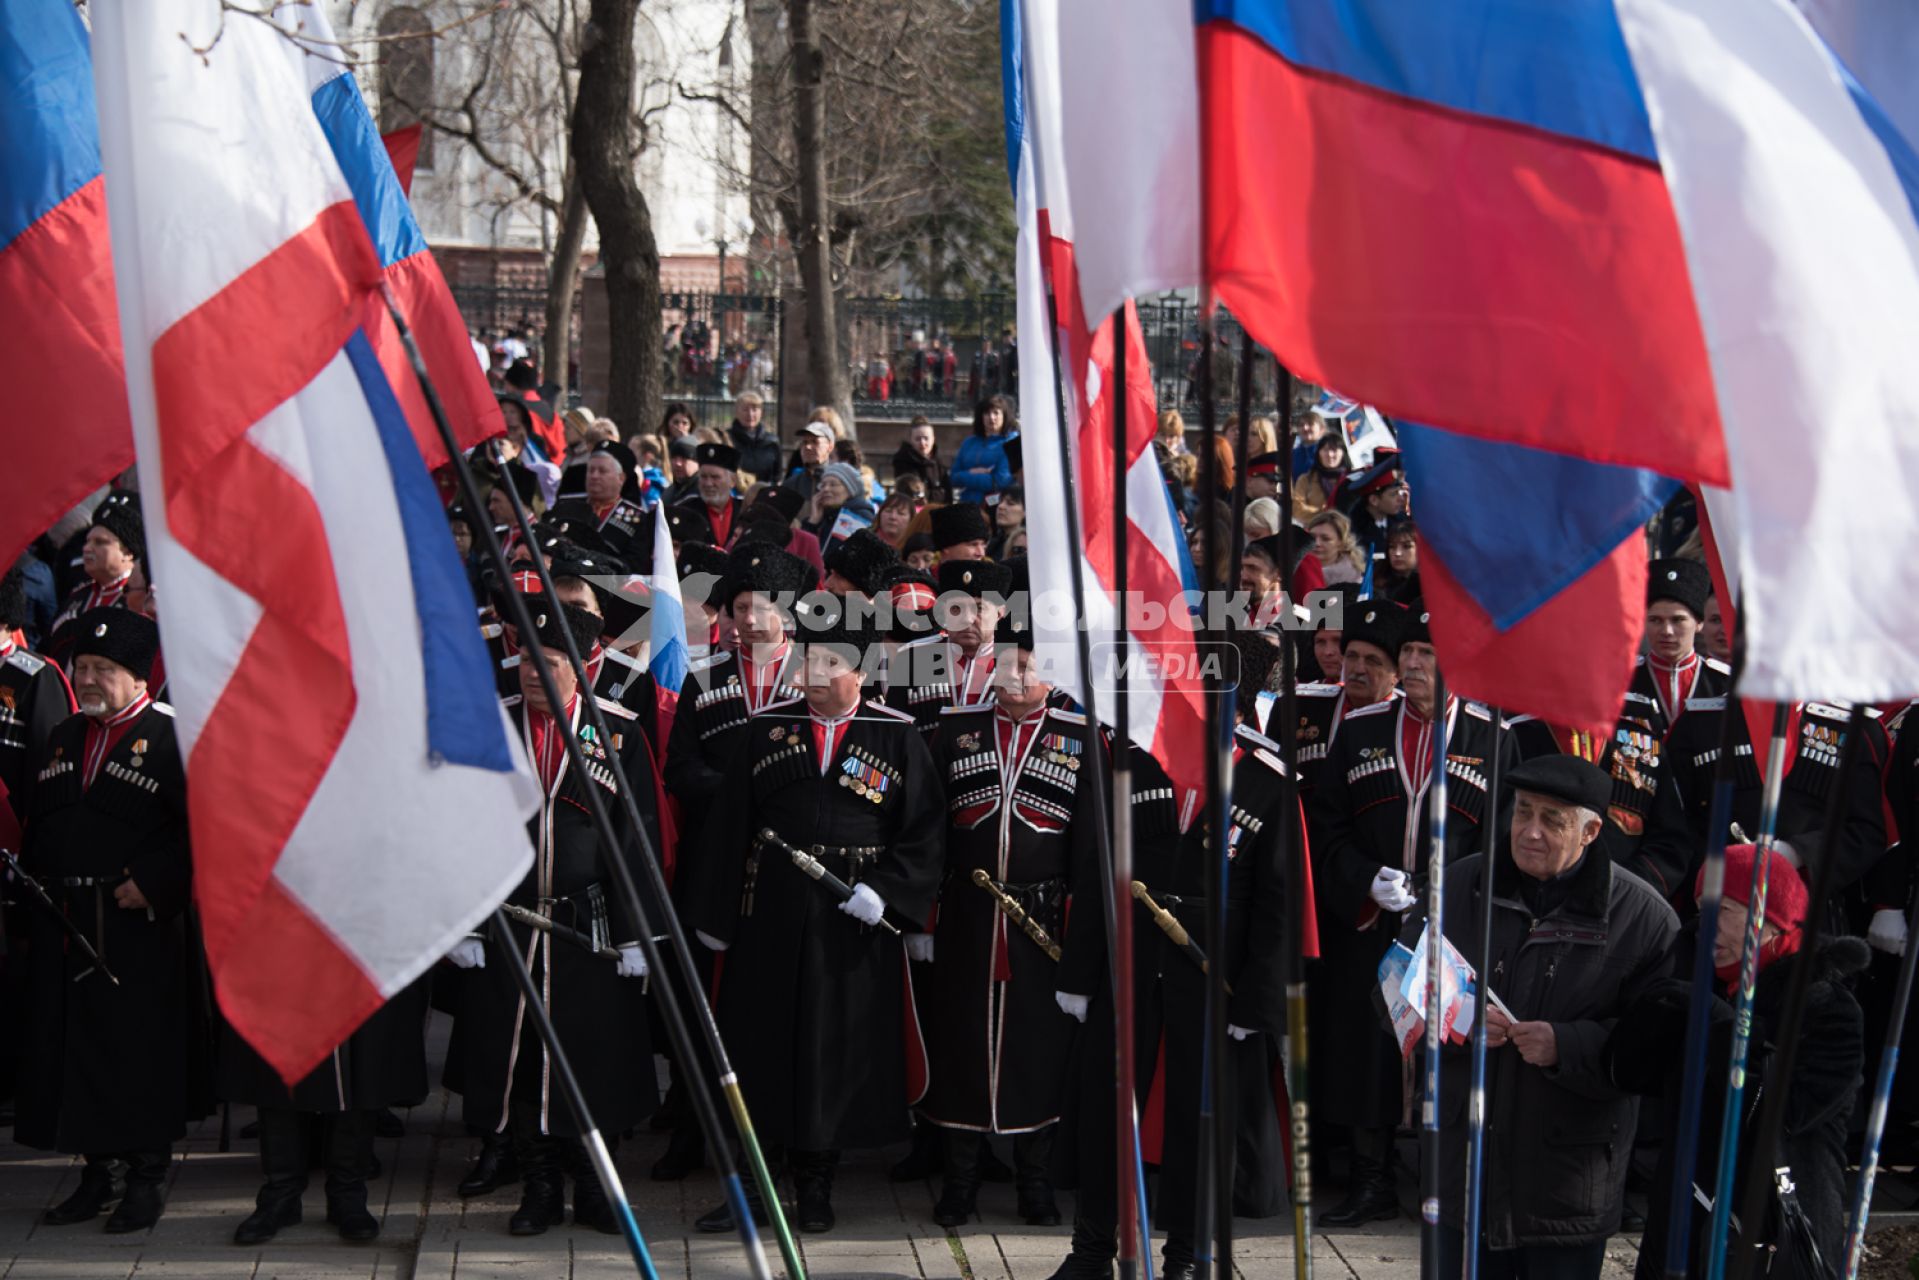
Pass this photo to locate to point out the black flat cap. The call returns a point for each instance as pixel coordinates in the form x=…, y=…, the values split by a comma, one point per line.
x=1565, y=778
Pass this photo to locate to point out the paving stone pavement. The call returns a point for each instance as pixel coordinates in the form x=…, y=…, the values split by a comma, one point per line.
x=429, y=1233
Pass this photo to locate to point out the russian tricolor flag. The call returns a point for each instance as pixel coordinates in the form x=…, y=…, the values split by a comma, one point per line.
x=1668, y=236
x=68, y=432
x=357, y=803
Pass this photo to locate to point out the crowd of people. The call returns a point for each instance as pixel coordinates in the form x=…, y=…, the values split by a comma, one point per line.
x=956, y=999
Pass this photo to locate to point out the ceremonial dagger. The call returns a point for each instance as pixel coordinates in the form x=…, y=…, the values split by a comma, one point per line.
x=816, y=869
x=1170, y=926
x=1017, y=914
x=535, y=920
x=72, y=929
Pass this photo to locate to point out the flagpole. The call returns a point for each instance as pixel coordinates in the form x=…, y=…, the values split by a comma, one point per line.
x=1712, y=887
x=1476, y=1114
x=1742, y=1006
x=1213, y=1185
x=1435, y=997
x=677, y=1029
x=1120, y=890
x=1292, y=852
x=1785, y=1055
x=1881, y=1099
x=596, y=1149
x=1130, y=1206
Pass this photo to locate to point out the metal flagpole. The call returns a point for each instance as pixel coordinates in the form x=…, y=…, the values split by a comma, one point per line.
x=1785, y=1055
x=1881, y=1098
x=1742, y=1006
x=1292, y=853
x=1213, y=1187
x=1131, y=1203
x=1483, y=961
x=1435, y=999
x=677, y=1029
x=1119, y=889
x=575, y=1097
x=1712, y=887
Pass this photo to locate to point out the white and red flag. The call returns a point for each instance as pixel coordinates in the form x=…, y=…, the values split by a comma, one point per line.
x=356, y=802
x=1166, y=711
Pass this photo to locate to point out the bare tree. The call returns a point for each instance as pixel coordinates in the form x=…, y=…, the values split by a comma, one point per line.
x=825, y=365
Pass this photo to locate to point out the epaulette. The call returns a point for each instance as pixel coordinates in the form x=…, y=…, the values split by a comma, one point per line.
x=887, y=713
x=1320, y=689
x=964, y=710
x=512, y=700
x=509, y=662
x=164, y=708
x=1372, y=710
x=631, y=663
x=1477, y=710
x=1254, y=736
x=1270, y=760
x=707, y=661
x=1066, y=717
x=31, y=663
x=1716, y=702
x=1714, y=664
x=615, y=709
x=1648, y=699
x=936, y=637
x=1521, y=718
x=783, y=702
x=490, y=630
x=1639, y=660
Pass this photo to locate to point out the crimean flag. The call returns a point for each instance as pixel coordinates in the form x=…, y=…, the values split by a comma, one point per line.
x=356, y=801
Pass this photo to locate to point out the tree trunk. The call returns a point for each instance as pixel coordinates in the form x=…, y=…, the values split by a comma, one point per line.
x=562, y=283
x=603, y=153
x=825, y=363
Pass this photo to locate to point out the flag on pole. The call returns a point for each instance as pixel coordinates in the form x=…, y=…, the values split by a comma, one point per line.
x=61, y=361
x=425, y=301
x=668, y=614
x=1166, y=708
x=356, y=802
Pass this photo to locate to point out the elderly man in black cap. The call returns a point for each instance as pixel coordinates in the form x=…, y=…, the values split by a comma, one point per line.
x=1575, y=943
x=599, y=1012
x=812, y=992
x=115, y=547
x=611, y=503
x=960, y=532
x=1370, y=814
x=952, y=667
x=113, y=1064
x=716, y=502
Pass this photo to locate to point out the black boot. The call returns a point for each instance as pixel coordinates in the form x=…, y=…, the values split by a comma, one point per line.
x=97, y=1187
x=1092, y=1257
x=720, y=1217
x=926, y=1158
x=591, y=1205
x=1176, y=1261
x=685, y=1152
x=349, y=1163
x=1371, y=1195
x=959, y=1188
x=813, y=1188
x=140, y=1207
x=493, y=1168
x=1032, y=1158
x=283, y=1161
x=542, y=1186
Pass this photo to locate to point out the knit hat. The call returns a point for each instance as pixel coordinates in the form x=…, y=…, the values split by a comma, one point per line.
x=849, y=475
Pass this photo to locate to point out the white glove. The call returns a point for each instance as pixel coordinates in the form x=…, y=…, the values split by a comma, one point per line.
x=1887, y=931
x=468, y=953
x=1237, y=1033
x=710, y=942
x=1391, y=889
x=1072, y=1006
x=919, y=946
x=864, y=906
x=632, y=961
